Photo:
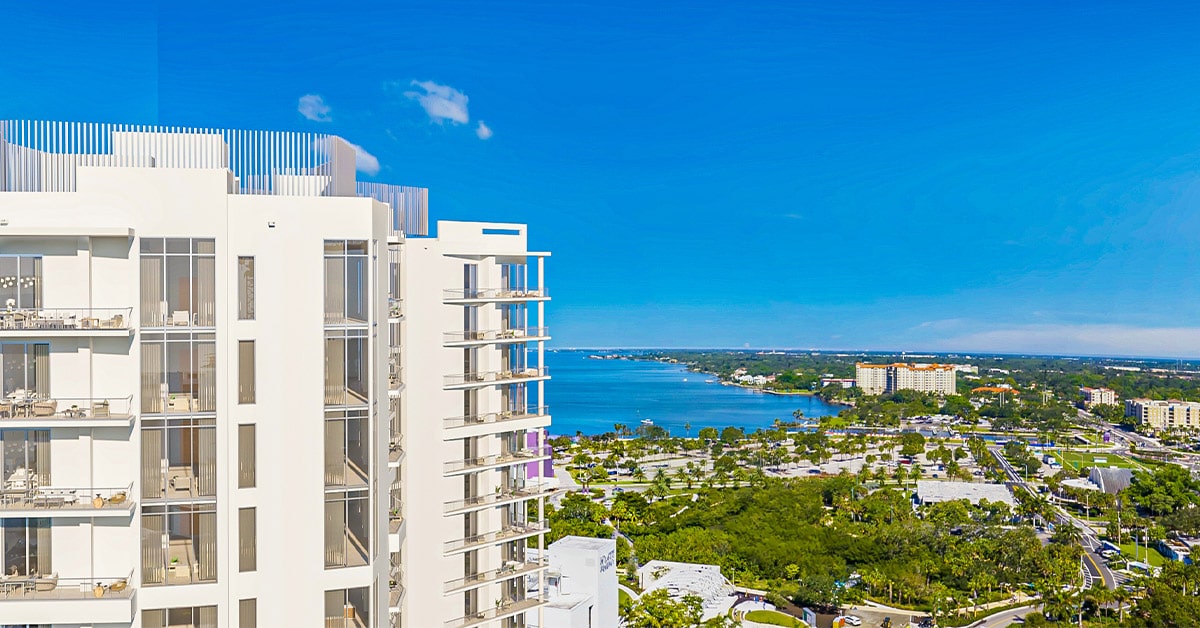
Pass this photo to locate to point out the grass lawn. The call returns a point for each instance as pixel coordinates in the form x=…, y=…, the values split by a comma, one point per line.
x=1155, y=560
x=1077, y=459
x=774, y=618
x=623, y=598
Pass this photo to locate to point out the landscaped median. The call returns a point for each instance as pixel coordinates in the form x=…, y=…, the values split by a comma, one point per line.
x=774, y=618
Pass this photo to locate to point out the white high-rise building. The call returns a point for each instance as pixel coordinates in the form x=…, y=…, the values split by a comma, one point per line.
x=198, y=432
x=877, y=379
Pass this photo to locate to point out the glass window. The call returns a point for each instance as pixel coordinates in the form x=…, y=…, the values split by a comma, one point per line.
x=26, y=371
x=346, y=367
x=245, y=288
x=346, y=282
x=247, y=540
x=185, y=617
x=179, y=544
x=348, y=607
x=246, y=456
x=20, y=282
x=347, y=447
x=248, y=613
x=347, y=528
x=245, y=371
x=178, y=288
x=179, y=374
x=179, y=458
x=26, y=547
x=25, y=459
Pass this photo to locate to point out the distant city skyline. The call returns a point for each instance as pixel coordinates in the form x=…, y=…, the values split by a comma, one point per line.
x=1011, y=178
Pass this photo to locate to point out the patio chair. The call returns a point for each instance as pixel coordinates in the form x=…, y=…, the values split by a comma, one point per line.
x=181, y=317
x=100, y=410
x=6, y=409
x=117, y=498
x=45, y=408
x=46, y=584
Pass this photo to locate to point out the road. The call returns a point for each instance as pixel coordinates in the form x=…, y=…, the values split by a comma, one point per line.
x=1004, y=618
x=1094, y=567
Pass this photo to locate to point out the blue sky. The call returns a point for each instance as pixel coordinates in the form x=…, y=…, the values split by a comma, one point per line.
x=926, y=176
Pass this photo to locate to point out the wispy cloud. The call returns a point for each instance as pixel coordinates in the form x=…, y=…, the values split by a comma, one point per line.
x=313, y=107
x=1080, y=340
x=441, y=102
x=482, y=131
x=364, y=161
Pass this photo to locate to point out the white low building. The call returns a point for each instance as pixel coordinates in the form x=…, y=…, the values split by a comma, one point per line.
x=581, y=584
x=934, y=491
x=683, y=579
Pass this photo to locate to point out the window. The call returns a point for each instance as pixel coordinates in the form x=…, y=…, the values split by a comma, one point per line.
x=245, y=278
x=347, y=447
x=247, y=541
x=179, y=544
x=26, y=367
x=346, y=282
x=346, y=367
x=179, y=373
x=179, y=458
x=20, y=282
x=25, y=459
x=248, y=613
x=246, y=456
x=178, y=284
x=186, y=617
x=348, y=607
x=245, y=371
x=26, y=546
x=347, y=528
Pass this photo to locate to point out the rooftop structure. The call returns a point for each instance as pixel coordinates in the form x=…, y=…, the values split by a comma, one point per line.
x=1111, y=480
x=934, y=491
x=682, y=579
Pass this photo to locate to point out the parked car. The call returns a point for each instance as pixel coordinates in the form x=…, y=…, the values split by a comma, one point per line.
x=853, y=620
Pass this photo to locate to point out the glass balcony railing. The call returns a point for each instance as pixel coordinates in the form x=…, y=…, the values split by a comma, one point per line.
x=511, y=532
x=504, y=608
x=514, y=457
x=512, y=569
x=494, y=294
x=20, y=494
x=496, y=335
x=498, y=497
x=492, y=377
x=495, y=417
x=31, y=407
x=29, y=588
x=65, y=319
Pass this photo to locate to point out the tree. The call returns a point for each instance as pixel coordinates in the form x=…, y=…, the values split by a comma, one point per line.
x=911, y=443
x=656, y=609
x=731, y=435
x=708, y=434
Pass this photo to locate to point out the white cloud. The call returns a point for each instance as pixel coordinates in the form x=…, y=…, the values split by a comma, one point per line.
x=313, y=107
x=441, y=102
x=1088, y=339
x=364, y=161
x=483, y=131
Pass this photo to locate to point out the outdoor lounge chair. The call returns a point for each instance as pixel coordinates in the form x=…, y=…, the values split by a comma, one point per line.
x=45, y=408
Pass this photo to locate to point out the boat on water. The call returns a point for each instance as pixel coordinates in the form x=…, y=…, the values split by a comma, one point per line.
x=647, y=422
x=710, y=381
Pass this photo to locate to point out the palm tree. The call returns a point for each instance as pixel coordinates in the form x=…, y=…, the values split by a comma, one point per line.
x=1066, y=534
x=687, y=428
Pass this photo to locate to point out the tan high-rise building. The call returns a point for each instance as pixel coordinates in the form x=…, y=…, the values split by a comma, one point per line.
x=878, y=379
x=1165, y=415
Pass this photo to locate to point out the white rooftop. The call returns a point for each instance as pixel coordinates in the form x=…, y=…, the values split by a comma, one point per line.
x=681, y=579
x=933, y=491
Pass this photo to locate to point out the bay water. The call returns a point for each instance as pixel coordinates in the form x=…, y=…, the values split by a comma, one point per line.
x=589, y=396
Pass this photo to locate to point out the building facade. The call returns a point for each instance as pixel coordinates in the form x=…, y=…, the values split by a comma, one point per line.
x=1165, y=415
x=878, y=379
x=197, y=432
x=1097, y=396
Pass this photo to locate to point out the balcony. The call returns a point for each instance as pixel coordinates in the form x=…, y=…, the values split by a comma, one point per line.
x=66, y=322
x=507, y=608
x=495, y=336
x=395, y=373
x=20, y=499
x=395, y=450
x=491, y=378
x=494, y=295
x=513, y=532
x=395, y=309
x=498, y=498
x=495, y=417
x=54, y=600
x=20, y=411
x=471, y=465
x=395, y=588
x=512, y=569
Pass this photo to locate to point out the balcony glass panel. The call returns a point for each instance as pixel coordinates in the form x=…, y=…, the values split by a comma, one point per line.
x=179, y=544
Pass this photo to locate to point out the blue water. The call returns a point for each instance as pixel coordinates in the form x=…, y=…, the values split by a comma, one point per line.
x=591, y=395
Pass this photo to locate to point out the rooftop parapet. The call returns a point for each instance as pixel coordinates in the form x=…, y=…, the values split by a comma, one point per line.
x=44, y=156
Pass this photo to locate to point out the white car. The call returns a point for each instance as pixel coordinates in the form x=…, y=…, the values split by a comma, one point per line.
x=853, y=620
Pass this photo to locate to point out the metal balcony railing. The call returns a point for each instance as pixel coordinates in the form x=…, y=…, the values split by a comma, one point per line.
x=491, y=377
x=495, y=417
x=494, y=335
